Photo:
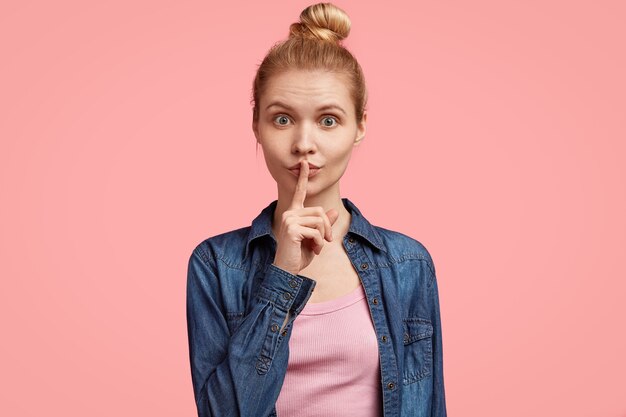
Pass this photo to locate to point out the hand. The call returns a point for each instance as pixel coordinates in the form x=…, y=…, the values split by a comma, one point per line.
x=303, y=229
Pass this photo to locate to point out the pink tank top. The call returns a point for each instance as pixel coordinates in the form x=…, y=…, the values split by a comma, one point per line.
x=333, y=367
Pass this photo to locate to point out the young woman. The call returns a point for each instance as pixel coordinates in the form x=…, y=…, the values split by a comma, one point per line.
x=311, y=310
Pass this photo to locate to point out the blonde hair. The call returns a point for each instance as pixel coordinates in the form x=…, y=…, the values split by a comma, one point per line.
x=314, y=43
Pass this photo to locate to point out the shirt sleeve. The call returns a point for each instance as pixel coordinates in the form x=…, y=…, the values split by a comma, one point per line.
x=438, y=408
x=240, y=374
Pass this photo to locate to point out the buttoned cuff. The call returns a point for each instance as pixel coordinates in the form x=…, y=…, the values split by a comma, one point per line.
x=286, y=290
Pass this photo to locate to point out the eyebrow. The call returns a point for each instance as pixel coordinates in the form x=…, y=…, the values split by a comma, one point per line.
x=322, y=108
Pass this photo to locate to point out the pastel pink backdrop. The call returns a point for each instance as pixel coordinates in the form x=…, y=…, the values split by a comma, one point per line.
x=496, y=137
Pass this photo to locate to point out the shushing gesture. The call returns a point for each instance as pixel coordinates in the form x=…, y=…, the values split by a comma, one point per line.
x=303, y=229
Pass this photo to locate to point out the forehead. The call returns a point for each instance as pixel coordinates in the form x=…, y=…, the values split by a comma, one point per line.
x=302, y=88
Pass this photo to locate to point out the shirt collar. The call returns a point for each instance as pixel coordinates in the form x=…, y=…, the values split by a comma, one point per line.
x=262, y=225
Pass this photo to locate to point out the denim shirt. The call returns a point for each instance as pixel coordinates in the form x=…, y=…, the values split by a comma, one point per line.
x=237, y=301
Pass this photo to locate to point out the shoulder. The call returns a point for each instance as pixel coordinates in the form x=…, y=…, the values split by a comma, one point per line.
x=402, y=247
x=226, y=246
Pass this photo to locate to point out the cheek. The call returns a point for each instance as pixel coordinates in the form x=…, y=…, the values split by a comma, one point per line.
x=340, y=154
x=275, y=162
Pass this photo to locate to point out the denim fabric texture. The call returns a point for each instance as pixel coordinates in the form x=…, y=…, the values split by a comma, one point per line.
x=237, y=300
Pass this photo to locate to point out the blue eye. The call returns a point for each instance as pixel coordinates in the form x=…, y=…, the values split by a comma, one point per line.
x=282, y=119
x=329, y=118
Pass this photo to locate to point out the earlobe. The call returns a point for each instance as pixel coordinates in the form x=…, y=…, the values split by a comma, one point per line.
x=361, y=129
x=254, y=129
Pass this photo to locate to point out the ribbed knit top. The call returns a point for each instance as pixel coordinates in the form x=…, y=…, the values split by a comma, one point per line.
x=333, y=367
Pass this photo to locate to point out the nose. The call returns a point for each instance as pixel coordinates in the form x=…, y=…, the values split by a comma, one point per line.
x=304, y=140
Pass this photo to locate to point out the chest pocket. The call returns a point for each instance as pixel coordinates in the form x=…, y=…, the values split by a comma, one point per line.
x=418, y=349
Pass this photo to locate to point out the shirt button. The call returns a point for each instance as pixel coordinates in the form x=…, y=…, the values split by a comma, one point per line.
x=351, y=240
x=274, y=327
x=391, y=385
x=284, y=332
x=406, y=338
x=286, y=296
x=363, y=266
x=384, y=339
x=293, y=283
x=375, y=301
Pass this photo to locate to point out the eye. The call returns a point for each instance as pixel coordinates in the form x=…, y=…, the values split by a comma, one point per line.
x=281, y=120
x=329, y=121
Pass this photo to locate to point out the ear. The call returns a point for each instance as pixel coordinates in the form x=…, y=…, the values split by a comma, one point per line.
x=255, y=129
x=361, y=128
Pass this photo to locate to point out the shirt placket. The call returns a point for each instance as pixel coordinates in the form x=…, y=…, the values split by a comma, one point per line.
x=368, y=274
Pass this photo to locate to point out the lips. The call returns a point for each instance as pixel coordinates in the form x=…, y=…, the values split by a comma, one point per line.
x=312, y=171
x=297, y=166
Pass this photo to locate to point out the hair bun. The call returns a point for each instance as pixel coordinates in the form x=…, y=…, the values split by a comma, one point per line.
x=323, y=21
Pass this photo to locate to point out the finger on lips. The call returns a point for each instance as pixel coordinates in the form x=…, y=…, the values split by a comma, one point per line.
x=299, y=194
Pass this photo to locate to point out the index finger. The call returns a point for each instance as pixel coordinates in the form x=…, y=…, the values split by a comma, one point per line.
x=299, y=194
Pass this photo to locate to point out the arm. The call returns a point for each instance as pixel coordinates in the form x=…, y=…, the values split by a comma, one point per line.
x=439, y=399
x=239, y=374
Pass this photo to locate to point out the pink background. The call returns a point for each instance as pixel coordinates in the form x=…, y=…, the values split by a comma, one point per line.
x=496, y=137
